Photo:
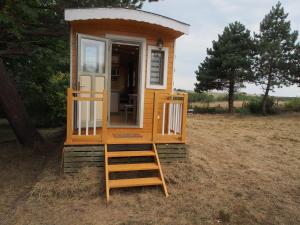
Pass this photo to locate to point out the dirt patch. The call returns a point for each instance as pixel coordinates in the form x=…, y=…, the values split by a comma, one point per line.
x=241, y=170
x=19, y=169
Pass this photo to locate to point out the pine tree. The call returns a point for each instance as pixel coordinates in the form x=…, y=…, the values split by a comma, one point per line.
x=276, y=63
x=34, y=46
x=228, y=63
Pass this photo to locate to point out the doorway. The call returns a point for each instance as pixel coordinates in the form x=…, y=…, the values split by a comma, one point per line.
x=124, y=84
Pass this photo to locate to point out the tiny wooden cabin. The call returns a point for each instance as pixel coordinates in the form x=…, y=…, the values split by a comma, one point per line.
x=121, y=78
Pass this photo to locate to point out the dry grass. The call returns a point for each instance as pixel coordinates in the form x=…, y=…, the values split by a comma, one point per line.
x=241, y=170
x=83, y=185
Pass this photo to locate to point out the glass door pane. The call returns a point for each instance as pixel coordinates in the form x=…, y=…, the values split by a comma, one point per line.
x=92, y=56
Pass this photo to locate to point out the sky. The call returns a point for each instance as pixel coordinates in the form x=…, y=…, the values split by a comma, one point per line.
x=207, y=19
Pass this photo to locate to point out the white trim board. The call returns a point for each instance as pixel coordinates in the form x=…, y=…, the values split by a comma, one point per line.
x=71, y=58
x=126, y=14
x=142, y=74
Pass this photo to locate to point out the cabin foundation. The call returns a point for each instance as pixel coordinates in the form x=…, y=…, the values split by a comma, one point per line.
x=77, y=157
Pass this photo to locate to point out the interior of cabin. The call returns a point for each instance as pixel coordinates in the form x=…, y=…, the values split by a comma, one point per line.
x=124, y=84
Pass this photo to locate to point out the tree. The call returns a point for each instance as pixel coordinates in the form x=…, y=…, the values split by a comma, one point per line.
x=16, y=113
x=34, y=48
x=295, y=69
x=276, y=62
x=228, y=63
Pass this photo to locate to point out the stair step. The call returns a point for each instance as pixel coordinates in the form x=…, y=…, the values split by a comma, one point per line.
x=149, y=181
x=132, y=167
x=120, y=154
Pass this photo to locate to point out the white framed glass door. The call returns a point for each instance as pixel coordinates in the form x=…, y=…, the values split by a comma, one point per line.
x=92, y=73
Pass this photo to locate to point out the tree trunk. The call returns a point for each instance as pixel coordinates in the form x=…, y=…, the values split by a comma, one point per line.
x=16, y=113
x=265, y=97
x=231, y=96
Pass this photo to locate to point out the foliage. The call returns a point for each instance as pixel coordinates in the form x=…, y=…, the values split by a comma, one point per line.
x=277, y=60
x=254, y=106
x=241, y=96
x=34, y=47
x=210, y=110
x=56, y=99
x=200, y=97
x=228, y=63
x=251, y=103
x=293, y=105
x=220, y=97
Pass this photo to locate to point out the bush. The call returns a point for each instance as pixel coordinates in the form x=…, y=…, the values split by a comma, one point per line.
x=255, y=106
x=243, y=110
x=293, y=105
x=56, y=99
x=47, y=105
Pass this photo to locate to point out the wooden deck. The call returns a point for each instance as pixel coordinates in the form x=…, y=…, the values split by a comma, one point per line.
x=122, y=138
x=167, y=122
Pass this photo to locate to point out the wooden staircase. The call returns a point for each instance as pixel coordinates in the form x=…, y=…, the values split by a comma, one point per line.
x=133, y=167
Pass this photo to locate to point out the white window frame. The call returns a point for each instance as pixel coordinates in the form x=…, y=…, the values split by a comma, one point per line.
x=165, y=72
x=80, y=37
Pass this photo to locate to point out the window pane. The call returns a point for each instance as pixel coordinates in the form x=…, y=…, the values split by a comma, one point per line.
x=157, y=67
x=92, y=56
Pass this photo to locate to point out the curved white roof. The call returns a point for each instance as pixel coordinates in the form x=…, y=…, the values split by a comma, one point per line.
x=126, y=14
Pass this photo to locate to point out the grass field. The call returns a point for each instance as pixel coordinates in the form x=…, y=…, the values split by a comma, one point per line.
x=221, y=104
x=241, y=170
x=224, y=104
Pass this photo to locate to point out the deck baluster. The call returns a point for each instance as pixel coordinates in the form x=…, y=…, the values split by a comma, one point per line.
x=94, y=127
x=87, y=118
x=79, y=118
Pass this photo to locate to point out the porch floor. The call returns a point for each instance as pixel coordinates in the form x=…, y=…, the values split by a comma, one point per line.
x=112, y=136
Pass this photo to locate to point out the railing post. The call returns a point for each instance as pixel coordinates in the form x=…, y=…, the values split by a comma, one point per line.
x=155, y=114
x=69, y=115
x=184, y=114
x=104, y=117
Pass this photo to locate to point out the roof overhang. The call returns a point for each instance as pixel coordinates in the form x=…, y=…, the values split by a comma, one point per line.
x=126, y=14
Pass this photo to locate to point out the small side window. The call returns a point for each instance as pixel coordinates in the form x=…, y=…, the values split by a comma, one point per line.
x=157, y=67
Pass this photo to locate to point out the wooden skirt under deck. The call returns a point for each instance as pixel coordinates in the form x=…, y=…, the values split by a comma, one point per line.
x=77, y=157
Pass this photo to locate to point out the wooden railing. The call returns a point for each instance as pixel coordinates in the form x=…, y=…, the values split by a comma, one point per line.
x=87, y=117
x=169, y=119
x=84, y=108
